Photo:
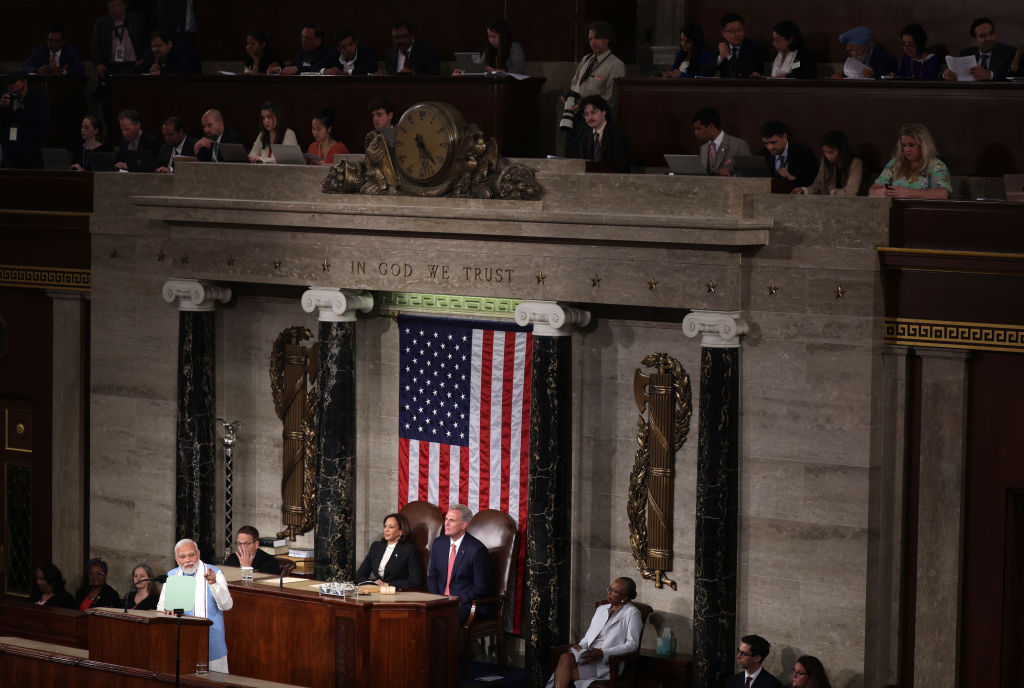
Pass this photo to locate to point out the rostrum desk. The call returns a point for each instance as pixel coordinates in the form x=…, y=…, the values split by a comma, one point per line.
x=295, y=635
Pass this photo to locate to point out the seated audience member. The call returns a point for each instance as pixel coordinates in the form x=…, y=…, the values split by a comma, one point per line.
x=787, y=159
x=248, y=553
x=407, y=56
x=809, y=672
x=1015, y=66
x=459, y=563
x=92, y=141
x=272, y=130
x=49, y=589
x=860, y=45
x=915, y=170
x=350, y=57
x=207, y=149
x=312, y=52
x=718, y=150
x=382, y=114
x=260, y=57
x=134, y=138
x=750, y=656
x=738, y=57
x=502, y=53
x=793, y=61
x=917, y=63
x=839, y=173
x=393, y=560
x=324, y=147
x=595, y=76
x=56, y=58
x=164, y=57
x=605, y=142
x=615, y=629
x=176, y=142
x=24, y=116
x=118, y=41
x=994, y=58
x=691, y=59
x=145, y=592
x=178, y=18
x=96, y=592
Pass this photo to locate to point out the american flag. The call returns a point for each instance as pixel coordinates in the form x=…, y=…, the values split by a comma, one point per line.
x=464, y=419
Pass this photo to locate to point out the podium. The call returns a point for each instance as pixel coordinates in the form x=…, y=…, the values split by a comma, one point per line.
x=48, y=624
x=147, y=639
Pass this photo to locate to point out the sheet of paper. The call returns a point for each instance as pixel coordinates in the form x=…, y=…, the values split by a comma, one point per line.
x=854, y=68
x=961, y=66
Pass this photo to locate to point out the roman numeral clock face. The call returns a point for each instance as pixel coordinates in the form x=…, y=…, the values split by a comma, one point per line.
x=425, y=142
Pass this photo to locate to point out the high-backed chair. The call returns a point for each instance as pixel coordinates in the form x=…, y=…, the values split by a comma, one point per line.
x=498, y=532
x=427, y=525
x=614, y=680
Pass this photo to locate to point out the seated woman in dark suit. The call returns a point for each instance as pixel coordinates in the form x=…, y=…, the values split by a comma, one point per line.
x=96, y=593
x=144, y=593
x=92, y=141
x=393, y=560
x=49, y=590
x=691, y=59
x=917, y=62
x=793, y=60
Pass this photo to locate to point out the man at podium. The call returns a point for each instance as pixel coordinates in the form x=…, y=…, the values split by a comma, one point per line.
x=212, y=598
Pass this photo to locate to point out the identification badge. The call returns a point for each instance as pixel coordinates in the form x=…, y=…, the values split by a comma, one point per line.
x=13, y=134
x=119, y=54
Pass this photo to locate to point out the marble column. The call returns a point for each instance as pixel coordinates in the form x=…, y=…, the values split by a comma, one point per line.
x=334, y=535
x=195, y=471
x=716, y=527
x=940, y=515
x=548, y=531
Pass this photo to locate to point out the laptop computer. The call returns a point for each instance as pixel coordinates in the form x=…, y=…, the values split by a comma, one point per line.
x=288, y=154
x=101, y=162
x=684, y=164
x=56, y=159
x=1014, y=187
x=233, y=152
x=470, y=63
x=751, y=166
x=138, y=160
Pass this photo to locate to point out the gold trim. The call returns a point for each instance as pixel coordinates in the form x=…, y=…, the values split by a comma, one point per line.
x=50, y=213
x=954, y=335
x=945, y=252
x=7, y=439
x=67, y=279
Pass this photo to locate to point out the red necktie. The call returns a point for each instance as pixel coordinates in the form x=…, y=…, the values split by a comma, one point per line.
x=984, y=61
x=747, y=684
x=451, y=563
x=53, y=59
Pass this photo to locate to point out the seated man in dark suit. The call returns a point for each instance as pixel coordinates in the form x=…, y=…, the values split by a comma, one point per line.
x=750, y=657
x=176, y=142
x=993, y=57
x=409, y=56
x=165, y=57
x=350, y=57
x=860, y=45
x=248, y=553
x=56, y=58
x=459, y=563
x=133, y=138
x=787, y=159
x=312, y=52
x=738, y=57
x=207, y=149
x=606, y=142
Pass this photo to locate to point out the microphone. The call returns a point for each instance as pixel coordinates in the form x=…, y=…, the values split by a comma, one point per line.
x=162, y=578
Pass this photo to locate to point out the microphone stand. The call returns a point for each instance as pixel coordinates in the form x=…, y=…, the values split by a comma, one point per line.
x=177, y=669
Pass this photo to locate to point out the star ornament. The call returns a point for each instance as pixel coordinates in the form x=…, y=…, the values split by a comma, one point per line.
x=595, y=280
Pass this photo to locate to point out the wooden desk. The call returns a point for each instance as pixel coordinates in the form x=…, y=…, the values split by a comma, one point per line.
x=503, y=107
x=294, y=634
x=51, y=624
x=673, y=671
x=147, y=640
x=973, y=124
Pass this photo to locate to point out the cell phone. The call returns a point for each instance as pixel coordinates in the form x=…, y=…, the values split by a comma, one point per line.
x=888, y=186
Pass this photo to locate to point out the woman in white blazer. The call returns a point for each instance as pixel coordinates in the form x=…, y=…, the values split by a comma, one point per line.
x=614, y=630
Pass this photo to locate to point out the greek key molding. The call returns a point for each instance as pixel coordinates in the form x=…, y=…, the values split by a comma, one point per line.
x=450, y=304
x=67, y=279
x=718, y=329
x=954, y=335
x=336, y=305
x=550, y=319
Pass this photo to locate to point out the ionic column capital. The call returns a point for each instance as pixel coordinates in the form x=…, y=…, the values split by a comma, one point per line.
x=336, y=305
x=718, y=329
x=195, y=295
x=551, y=319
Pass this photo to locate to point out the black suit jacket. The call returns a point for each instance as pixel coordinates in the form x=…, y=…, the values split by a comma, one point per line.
x=471, y=573
x=70, y=60
x=403, y=569
x=614, y=148
x=422, y=59
x=180, y=61
x=808, y=68
x=1001, y=58
x=229, y=136
x=801, y=163
x=749, y=60
x=102, y=32
x=147, y=141
x=261, y=561
x=188, y=146
x=764, y=680
x=882, y=63
x=309, y=62
x=108, y=597
x=366, y=61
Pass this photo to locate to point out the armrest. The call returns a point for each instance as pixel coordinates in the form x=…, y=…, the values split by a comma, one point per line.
x=500, y=601
x=613, y=665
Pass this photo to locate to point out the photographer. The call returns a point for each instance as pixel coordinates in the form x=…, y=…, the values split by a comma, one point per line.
x=24, y=115
x=595, y=76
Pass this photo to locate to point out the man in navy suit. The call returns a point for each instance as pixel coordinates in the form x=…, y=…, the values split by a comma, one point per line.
x=459, y=563
x=134, y=138
x=993, y=57
x=787, y=159
x=350, y=57
x=409, y=56
x=605, y=142
x=56, y=58
x=738, y=56
x=177, y=142
x=750, y=657
x=165, y=57
x=207, y=149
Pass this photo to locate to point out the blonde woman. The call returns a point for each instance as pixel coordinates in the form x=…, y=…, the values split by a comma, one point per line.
x=915, y=170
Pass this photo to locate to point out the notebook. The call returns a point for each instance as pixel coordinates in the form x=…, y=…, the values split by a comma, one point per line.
x=288, y=154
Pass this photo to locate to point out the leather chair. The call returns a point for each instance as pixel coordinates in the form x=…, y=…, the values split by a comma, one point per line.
x=427, y=525
x=628, y=677
x=499, y=534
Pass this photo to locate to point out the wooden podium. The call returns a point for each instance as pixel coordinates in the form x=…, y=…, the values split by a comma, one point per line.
x=147, y=640
x=48, y=624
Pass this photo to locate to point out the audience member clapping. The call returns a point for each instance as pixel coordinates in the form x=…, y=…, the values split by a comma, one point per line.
x=272, y=131
x=350, y=57
x=917, y=62
x=324, y=147
x=49, y=589
x=872, y=62
x=312, y=53
x=691, y=59
x=808, y=672
x=839, y=173
x=96, y=592
x=793, y=60
x=56, y=58
x=260, y=59
x=92, y=142
x=915, y=170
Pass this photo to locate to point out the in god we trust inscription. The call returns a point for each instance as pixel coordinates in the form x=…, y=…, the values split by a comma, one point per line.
x=499, y=274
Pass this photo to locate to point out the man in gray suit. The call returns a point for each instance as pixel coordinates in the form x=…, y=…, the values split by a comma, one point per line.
x=718, y=150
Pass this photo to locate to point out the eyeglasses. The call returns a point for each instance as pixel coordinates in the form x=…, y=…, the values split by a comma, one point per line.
x=799, y=673
x=243, y=544
x=741, y=653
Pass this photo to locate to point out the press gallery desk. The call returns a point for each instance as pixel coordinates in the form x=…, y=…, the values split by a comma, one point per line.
x=295, y=635
x=503, y=107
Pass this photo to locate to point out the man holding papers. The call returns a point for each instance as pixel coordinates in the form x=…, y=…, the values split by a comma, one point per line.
x=991, y=59
x=212, y=598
